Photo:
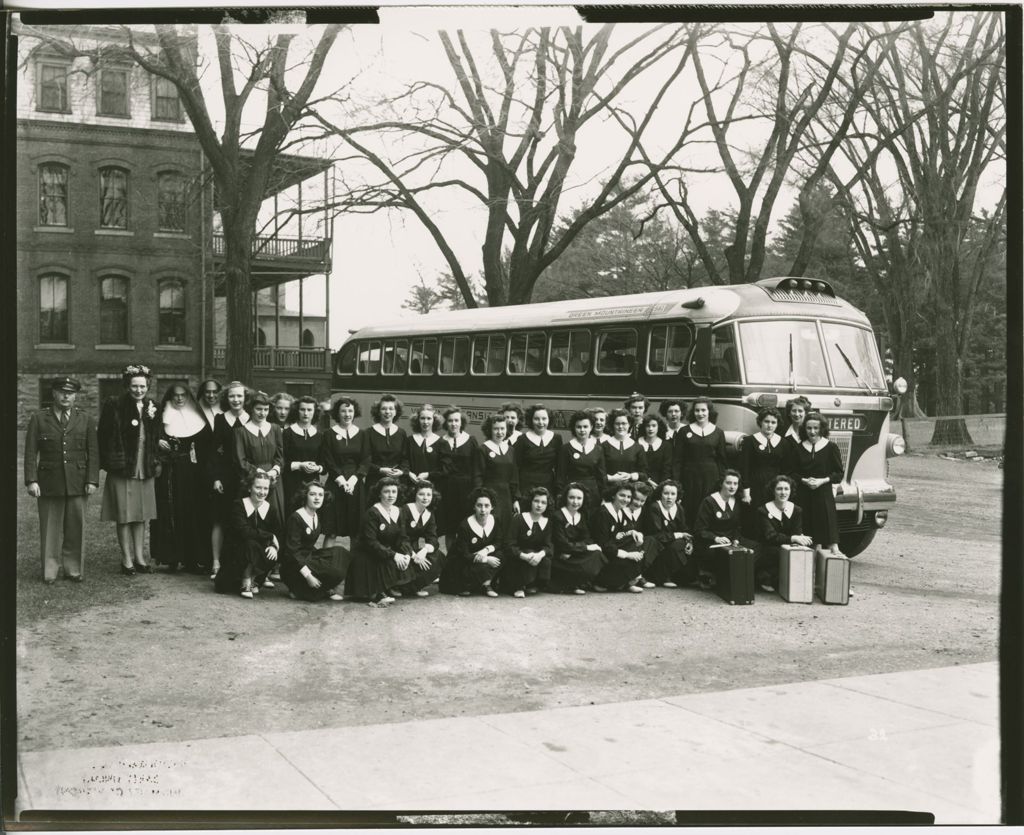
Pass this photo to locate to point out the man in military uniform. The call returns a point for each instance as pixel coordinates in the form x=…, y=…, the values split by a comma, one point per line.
x=62, y=469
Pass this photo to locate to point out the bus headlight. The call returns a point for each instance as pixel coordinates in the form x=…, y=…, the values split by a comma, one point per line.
x=895, y=445
x=899, y=385
x=733, y=439
x=881, y=517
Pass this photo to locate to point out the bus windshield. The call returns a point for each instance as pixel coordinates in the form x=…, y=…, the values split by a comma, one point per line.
x=853, y=356
x=783, y=353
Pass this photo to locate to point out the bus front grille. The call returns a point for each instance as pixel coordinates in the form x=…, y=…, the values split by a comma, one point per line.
x=843, y=440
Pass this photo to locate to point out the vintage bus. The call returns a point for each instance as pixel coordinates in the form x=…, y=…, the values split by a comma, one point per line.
x=744, y=346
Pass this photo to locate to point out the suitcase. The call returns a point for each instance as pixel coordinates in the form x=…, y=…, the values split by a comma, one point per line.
x=796, y=574
x=734, y=574
x=831, y=577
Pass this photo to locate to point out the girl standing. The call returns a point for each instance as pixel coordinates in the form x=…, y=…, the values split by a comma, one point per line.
x=221, y=462
x=461, y=476
x=815, y=464
x=699, y=451
x=536, y=452
x=657, y=450
x=426, y=453
x=347, y=458
x=303, y=450
x=581, y=461
x=761, y=459
x=514, y=415
x=386, y=440
x=624, y=459
x=498, y=470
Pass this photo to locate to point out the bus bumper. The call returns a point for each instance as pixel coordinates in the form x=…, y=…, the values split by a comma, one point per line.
x=864, y=503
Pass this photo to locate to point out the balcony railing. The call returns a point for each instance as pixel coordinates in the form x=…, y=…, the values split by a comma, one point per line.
x=274, y=246
x=268, y=358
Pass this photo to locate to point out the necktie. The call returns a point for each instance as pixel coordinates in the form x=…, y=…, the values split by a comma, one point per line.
x=305, y=434
x=622, y=446
x=64, y=418
x=387, y=436
x=314, y=522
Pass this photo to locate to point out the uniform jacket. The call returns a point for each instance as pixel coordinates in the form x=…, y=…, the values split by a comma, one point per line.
x=61, y=460
x=119, y=438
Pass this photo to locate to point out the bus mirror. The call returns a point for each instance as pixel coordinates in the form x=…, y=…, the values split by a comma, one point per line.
x=700, y=360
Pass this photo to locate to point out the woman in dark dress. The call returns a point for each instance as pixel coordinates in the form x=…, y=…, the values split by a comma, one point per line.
x=498, y=470
x=718, y=522
x=425, y=454
x=347, y=458
x=598, y=421
x=577, y=559
x=621, y=545
x=536, y=452
x=462, y=475
x=781, y=523
x=386, y=440
x=796, y=410
x=636, y=407
x=476, y=557
x=176, y=536
x=127, y=433
x=303, y=452
x=378, y=561
x=672, y=411
x=220, y=462
x=815, y=464
x=250, y=541
x=527, y=567
x=259, y=448
x=761, y=459
x=699, y=453
x=657, y=450
x=581, y=460
x=310, y=573
x=664, y=523
x=419, y=539
x=624, y=459
x=513, y=413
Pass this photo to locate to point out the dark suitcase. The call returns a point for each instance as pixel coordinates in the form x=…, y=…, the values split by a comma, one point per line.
x=831, y=577
x=734, y=574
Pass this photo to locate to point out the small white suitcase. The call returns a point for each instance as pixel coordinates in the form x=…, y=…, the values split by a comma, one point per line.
x=796, y=574
x=831, y=577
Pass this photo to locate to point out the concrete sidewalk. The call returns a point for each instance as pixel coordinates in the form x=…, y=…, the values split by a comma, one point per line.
x=920, y=741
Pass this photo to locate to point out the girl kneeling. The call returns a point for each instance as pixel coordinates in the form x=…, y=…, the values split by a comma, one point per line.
x=311, y=573
x=474, y=561
x=529, y=549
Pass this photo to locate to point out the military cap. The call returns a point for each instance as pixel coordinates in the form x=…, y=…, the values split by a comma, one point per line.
x=66, y=384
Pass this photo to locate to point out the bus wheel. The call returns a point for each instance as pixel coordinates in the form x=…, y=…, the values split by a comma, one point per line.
x=854, y=542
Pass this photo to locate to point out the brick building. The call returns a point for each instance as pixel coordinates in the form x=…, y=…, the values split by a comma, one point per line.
x=117, y=249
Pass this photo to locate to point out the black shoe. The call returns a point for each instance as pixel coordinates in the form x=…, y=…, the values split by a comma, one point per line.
x=143, y=569
x=74, y=578
x=128, y=571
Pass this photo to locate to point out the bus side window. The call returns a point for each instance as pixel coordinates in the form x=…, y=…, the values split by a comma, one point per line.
x=369, y=358
x=668, y=348
x=454, y=355
x=489, y=354
x=725, y=367
x=570, y=352
x=422, y=357
x=616, y=351
x=526, y=353
x=346, y=365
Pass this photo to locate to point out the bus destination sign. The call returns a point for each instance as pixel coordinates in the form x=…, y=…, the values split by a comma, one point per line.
x=628, y=312
x=848, y=423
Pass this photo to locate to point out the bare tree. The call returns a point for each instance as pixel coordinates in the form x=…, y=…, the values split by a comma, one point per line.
x=242, y=161
x=507, y=133
x=935, y=124
x=773, y=83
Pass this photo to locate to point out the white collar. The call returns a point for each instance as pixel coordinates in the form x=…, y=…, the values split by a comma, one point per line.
x=390, y=515
x=632, y=514
x=543, y=521
x=792, y=433
x=210, y=412
x=458, y=440
x=587, y=448
x=182, y=423
x=611, y=509
x=421, y=440
x=777, y=514
x=500, y=449
x=231, y=420
x=250, y=507
x=569, y=518
x=539, y=440
x=763, y=441
x=670, y=515
x=655, y=444
x=298, y=429
x=670, y=432
x=819, y=445
x=515, y=436
x=417, y=518
x=626, y=442
x=722, y=502
x=696, y=430
x=485, y=531
x=263, y=429
x=311, y=521
x=347, y=433
x=387, y=434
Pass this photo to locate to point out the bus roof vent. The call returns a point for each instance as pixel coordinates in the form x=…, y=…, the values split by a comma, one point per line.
x=809, y=290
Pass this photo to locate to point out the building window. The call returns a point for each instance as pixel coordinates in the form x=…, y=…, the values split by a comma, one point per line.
x=114, y=311
x=171, y=325
x=45, y=392
x=166, y=105
x=308, y=340
x=113, y=92
x=53, y=309
x=261, y=337
x=170, y=202
x=113, y=198
x=53, y=194
x=53, y=88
